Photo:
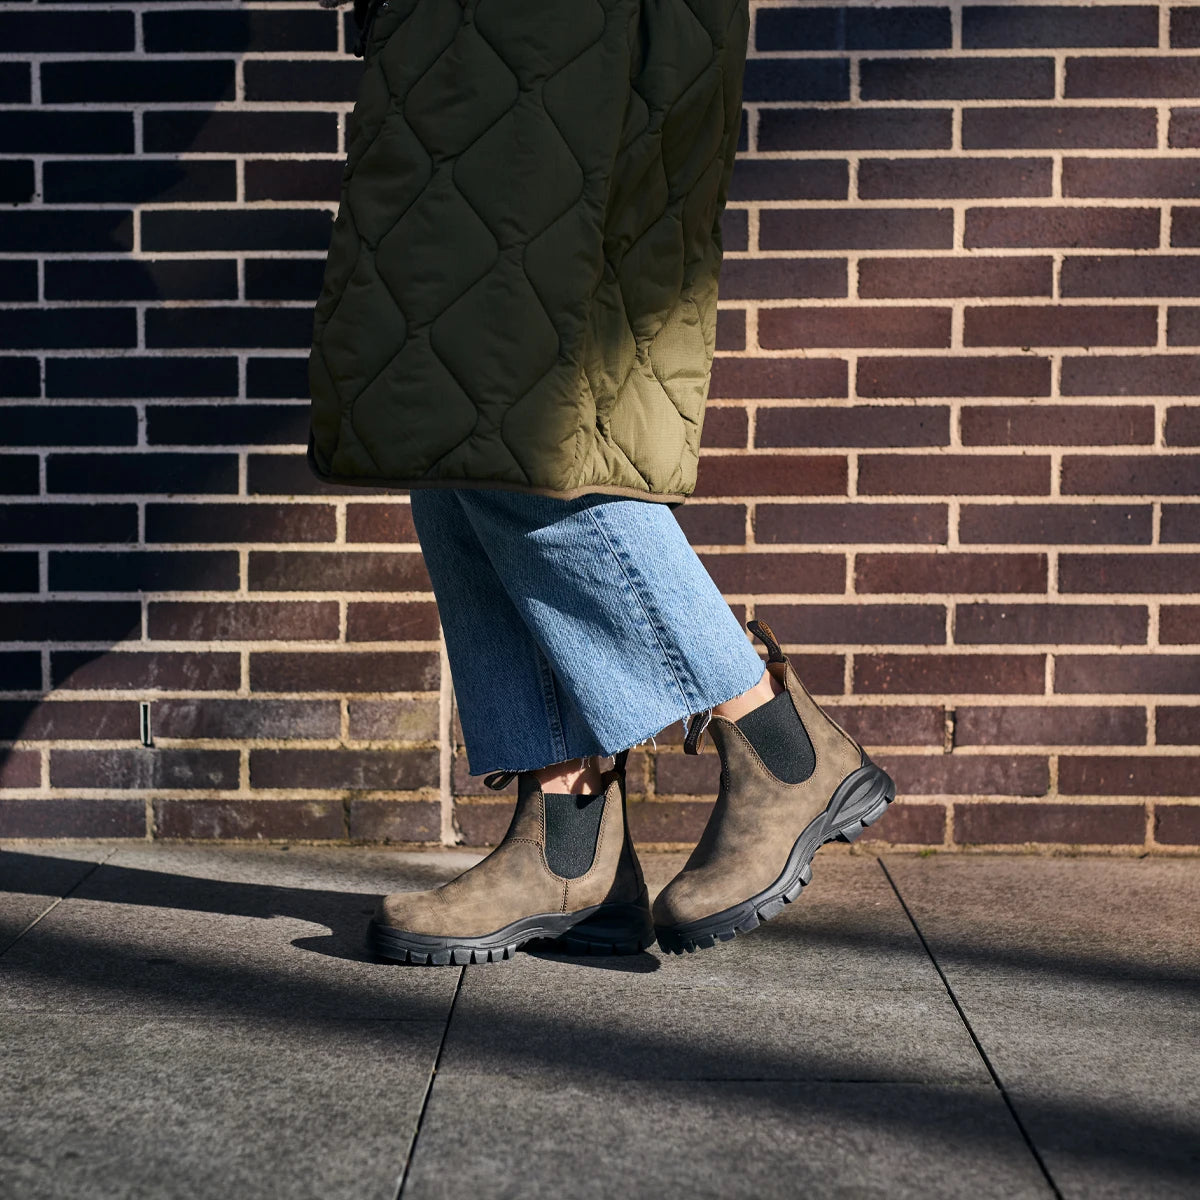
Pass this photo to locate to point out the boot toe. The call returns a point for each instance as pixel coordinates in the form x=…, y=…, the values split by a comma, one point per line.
x=408, y=912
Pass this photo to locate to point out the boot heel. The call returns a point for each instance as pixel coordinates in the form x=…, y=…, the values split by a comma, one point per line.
x=862, y=799
x=611, y=929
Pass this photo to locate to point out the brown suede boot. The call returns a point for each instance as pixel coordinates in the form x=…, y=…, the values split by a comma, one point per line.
x=754, y=854
x=597, y=905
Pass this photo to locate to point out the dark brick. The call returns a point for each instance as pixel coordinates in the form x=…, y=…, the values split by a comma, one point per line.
x=236, y=229
x=73, y=425
x=18, y=474
x=892, y=724
x=1049, y=725
x=1149, y=75
x=1179, y=624
x=288, y=475
x=395, y=821
x=727, y=427
x=128, y=474
x=1059, y=127
x=752, y=573
x=1183, y=329
x=786, y=80
x=1128, y=775
x=677, y=823
x=1120, y=674
x=292, y=80
x=1132, y=275
x=226, y=424
x=249, y=820
x=485, y=824
x=788, y=179
x=997, y=275
x=949, y=178
x=783, y=279
x=877, y=326
x=344, y=671
x=394, y=720
x=966, y=78
x=910, y=825
x=968, y=775
x=18, y=572
x=21, y=671
x=1177, y=824
x=290, y=278
x=1057, y=425
x=864, y=624
x=1185, y=227
x=1135, y=573
x=772, y=475
x=20, y=768
x=72, y=818
x=69, y=133
x=65, y=231
x=172, y=328
x=1127, y=474
x=20, y=279
x=108, y=279
x=210, y=718
x=318, y=179
x=68, y=720
x=862, y=425
x=1128, y=177
x=1003, y=26
x=1177, y=726
x=1060, y=325
x=1185, y=28
x=140, y=182
x=1183, y=133
x=1070, y=226
x=713, y=524
x=957, y=573
x=134, y=81
x=337, y=571
x=136, y=376
x=1072, y=824
x=778, y=378
x=143, y=768
x=735, y=232
x=53, y=329
x=687, y=774
x=189, y=31
x=387, y=621
x=960, y=673
x=855, y=522
x=929, y=375
x=242, y=620
x=69, y=620
x=953, y=474
x=121, y=670
x=1079, y=524
x=853, y=129
x=893, y=28
x=350, y=770
x=240, y=523
x=390, y=523
x=849, y=229
x=1025, y=624
x=19, y=377
x=81, y=32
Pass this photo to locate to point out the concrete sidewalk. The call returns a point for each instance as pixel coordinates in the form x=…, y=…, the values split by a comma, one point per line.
x=203, y=1022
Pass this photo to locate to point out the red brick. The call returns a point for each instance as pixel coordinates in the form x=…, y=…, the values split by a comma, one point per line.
x=1183, y=326
x=731, y=326
x=72, y=817
x=754, y=574
x=1134, y=573
x=242, y=620
x=935, y=276
x=688, y=774
x=1131, y=375
x=1057, y=425
x=183, y=670
x=1131, y=274
x=679, y=822
x=772, y=475
x=1128, y=775
x=394, y=720
x=345, y=671
x=395, y=821
x=950, y=178
x=1054, y=524
x=968, y=775
x=1049, y=725
x=1060, y=325
x=207, y=717
x=934, y=574
x=1024, y=624
x=875, y=128
x=482, y=824
x=1185, y=225
x=790, y=179
x=967, y=78
x=1129, y=474
x=1070, y=824
x=927, y=375
x=250, y=820
x=854, y=521
x=866, y=624
x=942, y=673
x=20, y=768
x=1058, y=127
x=359, y=770
x=789, y=328
x=892, y=724
x=1149, y=75
x=953, y=474
x=1183, y=133
x=1179, y=624
x=387, y=621
x=1070, y=226
x=860, y=425
x=390, y=523
x=726, y=426
x=1185, y=28
x=1183, y=425
x=782, y=378
x=337, y=571
x=855, y=229
x=1177, y=824
x=909, y=825
x=823, y=674
x=144, y=768
x=713, y=524
x=783, y=278
x=997, y=26
x=247, y=522
x=1118, y=674
x=57, y=720
x=1180, y=523
x=289, y=475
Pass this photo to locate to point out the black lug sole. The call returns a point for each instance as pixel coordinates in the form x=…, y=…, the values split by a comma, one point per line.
x=860, y=800
x=601, y=929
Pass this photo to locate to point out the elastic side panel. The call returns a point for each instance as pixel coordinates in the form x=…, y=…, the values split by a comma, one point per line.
x=778, y=735
x=572, y=829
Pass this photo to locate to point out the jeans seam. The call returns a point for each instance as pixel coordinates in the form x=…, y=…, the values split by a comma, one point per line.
x=686, y=694
x=550, y=703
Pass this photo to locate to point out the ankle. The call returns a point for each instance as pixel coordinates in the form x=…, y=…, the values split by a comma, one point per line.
x=765, y=689
x=571, y=777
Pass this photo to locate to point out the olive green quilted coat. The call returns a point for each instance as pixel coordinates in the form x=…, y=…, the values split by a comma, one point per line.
x=521, y=289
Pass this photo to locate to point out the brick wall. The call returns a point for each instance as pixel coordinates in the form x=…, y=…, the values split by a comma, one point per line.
x=953, y=450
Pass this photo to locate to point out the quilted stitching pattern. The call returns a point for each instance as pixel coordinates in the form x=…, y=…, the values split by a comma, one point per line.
x=521, y=285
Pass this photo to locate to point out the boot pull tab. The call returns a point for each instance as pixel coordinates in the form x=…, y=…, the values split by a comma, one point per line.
x=762, y=631
x=620, y=759
x=695, y=733
x=498, y=780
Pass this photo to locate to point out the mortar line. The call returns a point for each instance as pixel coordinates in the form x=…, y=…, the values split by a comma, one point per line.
x=987, y=1062
x=69, y=892
x=437, y=1058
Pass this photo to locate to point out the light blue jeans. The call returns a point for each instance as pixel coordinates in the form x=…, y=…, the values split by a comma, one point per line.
x=573, y=627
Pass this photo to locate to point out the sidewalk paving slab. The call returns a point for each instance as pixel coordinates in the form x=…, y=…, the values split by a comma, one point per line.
x=31, y=884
